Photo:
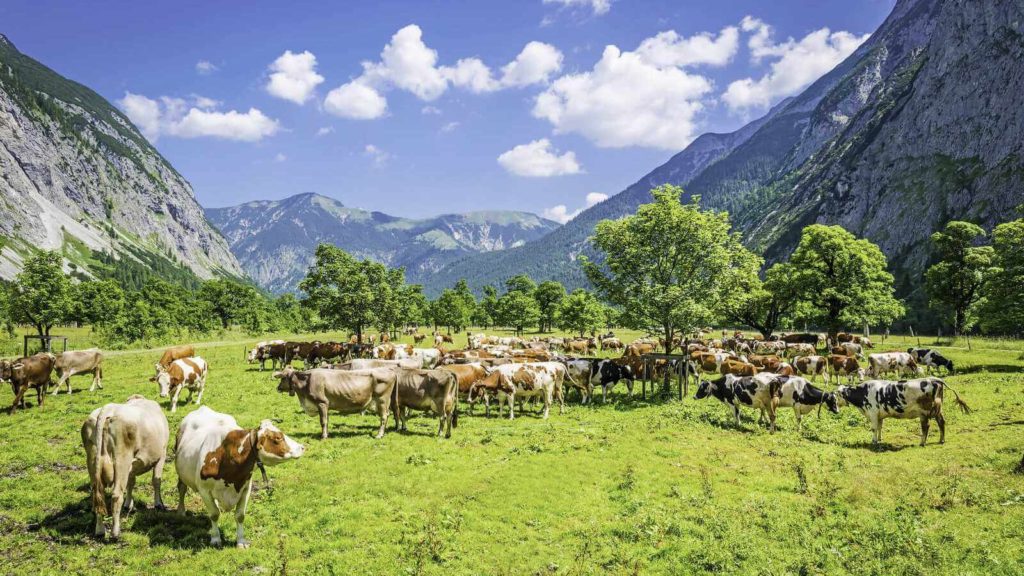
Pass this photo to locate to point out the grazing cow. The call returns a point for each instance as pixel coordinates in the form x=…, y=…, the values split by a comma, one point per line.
x=612, y=344
x=579, y=346
x=881, y=399
x=804, y=338
x=933, y=359
x=843, y=337
x=761, y=393
x=77, y=362
x=849, y=349
x=810, y=365
x=433, y=390
x=638, y=348
x=429, y=357
x=798, y=350
x=275, y=351
x=122, y=442
x=710, y=361
x=215, y=456
x=347, y=392
x=305, y=351
x=184, y=373
x=899, y=362
x=802, y=396
x=770, y=347
x=383, y=352
x=738, y=368
x=467, y=375
x=540, y=379
x=417, y=338
x=766, y=363
x=607, y=374
x=848, y=366
x=490, y=385
x=327, y=351
x=175, y=353
x=580, y=372
x=31, y=372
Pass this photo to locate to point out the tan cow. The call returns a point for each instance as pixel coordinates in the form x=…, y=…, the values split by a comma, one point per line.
x=175, y=353
x=78, y=362
x=347, y=392
x=848, y=366
x=436, y=391
x=31, y=372
x=122, y=442
x=810, y=365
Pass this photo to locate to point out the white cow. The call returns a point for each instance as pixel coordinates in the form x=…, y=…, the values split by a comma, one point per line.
x=215, y=457
x=899, y=362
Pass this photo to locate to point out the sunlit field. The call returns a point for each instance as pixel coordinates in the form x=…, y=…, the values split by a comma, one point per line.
x=628, y=486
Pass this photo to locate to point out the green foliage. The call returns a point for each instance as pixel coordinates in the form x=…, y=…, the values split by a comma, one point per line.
x=581, y=312
x=345, y=292
x=955, y=283
x=517, y=309
x=452, y=310
x=764, y=305
x=671, y=267
x=843, y=280
x=98, y=303
x=549, y=295
x=520, y=283
x=42, y=293
x=1003, y=310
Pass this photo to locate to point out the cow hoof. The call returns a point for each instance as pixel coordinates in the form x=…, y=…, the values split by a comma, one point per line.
x=242, y=545
x=215, y=542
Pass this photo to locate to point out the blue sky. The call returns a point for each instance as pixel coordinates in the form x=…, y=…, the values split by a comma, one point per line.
x=472, y=105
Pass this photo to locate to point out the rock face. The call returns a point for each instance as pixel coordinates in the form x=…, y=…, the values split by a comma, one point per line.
x=920, y=125
x=275, y=240
x=77, y=176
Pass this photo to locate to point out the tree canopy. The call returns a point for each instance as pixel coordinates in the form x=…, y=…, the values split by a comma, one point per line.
x=1003, y=310
x=954, y=284
x=581, y=312
x=42, y=293
x=548, y=295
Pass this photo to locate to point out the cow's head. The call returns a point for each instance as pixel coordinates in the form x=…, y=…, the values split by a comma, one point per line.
x=703, y=390
x=274, y=447
x=831, y=401
x=287, y=380
x=5, y=370
x=163, y=381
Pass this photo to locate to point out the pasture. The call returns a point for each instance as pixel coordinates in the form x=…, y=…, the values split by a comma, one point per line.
x=626, y=487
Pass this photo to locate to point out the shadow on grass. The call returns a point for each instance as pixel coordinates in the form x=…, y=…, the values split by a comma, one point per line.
x=74, y=525
x=342, y=431
x=189, y=531
x=880, y=447
x=993, y=368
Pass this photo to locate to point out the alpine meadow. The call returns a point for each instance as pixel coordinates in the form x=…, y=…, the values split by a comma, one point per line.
x=348, y=288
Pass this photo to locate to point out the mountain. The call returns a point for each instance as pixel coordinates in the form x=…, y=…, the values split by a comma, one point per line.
x=77, y=176
x=920, y=125
x=275, y=240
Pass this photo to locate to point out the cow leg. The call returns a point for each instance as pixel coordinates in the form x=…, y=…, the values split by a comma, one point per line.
x=772, y=411
x=182, y=490
x=876, y=429
x=97, y=379
x=129, y=500
x=174, y=399
x=214, y=513
x=158, y=473
x=736, y=412
x=383, y=408
x=322, y=409
x=511, y=406
x=202, y=388
x=561, y=400
x=547, y=403
x=240, y=508
x=799, y=419
x=64, y=378
x=122, y=482
x=41, y=394
x=942, y=425
x=924, y=429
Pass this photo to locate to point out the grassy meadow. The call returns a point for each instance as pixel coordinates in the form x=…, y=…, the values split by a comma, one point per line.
x=626, y=487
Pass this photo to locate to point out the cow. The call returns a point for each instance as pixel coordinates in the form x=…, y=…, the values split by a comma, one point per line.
x=30, y=372
x=369, y=363
x=762, y=393
x=429, y=357
x=848, y=349
x=273, y=350
x=215, y=456
x=183, y=373
x=579, y=346
x=607, y=373
x=899, y=362
x=848, y=366
x=175, y=353
x=612, y=344
x=433, y=390
x=881, y=399
x=802, y=396
x=804, y=338
x=467, y=375
x=417, y=338
x=769, y=347
x=383, y=352
x=766, y=363
x=305, y=351
x=580, y=372
x=738, y=368
x=77, y=362
x=638, y=348
x=347, y=392
x=540, y=379
x=710, y=361
x=331, y=351
x=933, y=359
x=490, y=385
x=122, y=442
x=810, y=365
x=801, y=349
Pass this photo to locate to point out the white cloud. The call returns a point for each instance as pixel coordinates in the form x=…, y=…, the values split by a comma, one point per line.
x=409, y=64
x=205, y=67
x=472, y=74
x=535, y=64
x=280, y=157
x=626, y=101
x=449, y=127
x=376, y=155
x=325, y=130
x=561, y=214
x=293, y=77
x=357, y=101
x=177, y=117
x=797, y=64
x=430, y=110
x=538, y=159
x=671, y=49
x=598, y=6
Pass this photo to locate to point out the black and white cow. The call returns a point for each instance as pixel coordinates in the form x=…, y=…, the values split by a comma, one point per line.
x=881, y=399
x=607, y=373
x=802, y=396
x=931, y=358
x=761, y=392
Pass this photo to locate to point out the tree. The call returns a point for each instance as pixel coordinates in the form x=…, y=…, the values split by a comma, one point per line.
x=518, y=310
x=843, y=279
x=5, y=307
x=289, y=314
x=548, y=295
x=98, y=302
x=763, y=305
x=226, y=299
x=1003, y=309
x=42, y=293
x=520, y=283
x=671, y=267
x=341, y=289
x=954, y=284
x=581, y=312
x=489, y=303
x=414, y=305
x=469, y=304
x=450, y=310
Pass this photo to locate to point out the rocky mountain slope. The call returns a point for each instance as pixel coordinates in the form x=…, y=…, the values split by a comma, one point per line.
x=77, y=176
x=920, y=125
x=275, y=240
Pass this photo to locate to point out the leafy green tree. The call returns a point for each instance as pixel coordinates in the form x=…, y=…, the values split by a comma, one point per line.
x=390, y=293
x=341, y=289
x=42, y=293
x=763, y=305
x=450, y=310
x=581, y=312
x=290, y=315
x=227, y=299
x=671, y=267
x=98, y=302
x=5, y=307
x=520, y=283
x=955, y=283
x=489, y=304
x=415, y=307
x=843, y=279
x=518, y=309
x=548, y=295
x=1003, y=309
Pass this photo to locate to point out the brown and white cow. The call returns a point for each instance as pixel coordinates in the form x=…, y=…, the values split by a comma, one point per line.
x=369, y=363
x=738, y=368
x=347, y=392
x=467, y=375
x=30, y=372
x=436, y=391
x=902, y=363
x=175, y=353
x=848, y=349
x=215, y=456
x=536, y=380
x=184, y=373
x=810, y=365
x=799, y=350
x=848, y=366
x=78, y=362
x=276, y=351
x=122, y=442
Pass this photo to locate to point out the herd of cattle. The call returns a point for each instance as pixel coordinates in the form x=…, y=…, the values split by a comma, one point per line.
x=216, y=457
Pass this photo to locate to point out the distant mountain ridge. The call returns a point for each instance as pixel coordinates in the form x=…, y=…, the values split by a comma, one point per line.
x=275, y=240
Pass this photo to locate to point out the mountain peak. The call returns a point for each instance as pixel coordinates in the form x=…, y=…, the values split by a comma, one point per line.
x=5, y=41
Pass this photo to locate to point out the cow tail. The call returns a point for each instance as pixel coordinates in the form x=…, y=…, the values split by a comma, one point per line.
x=960, y=403
x=99, y=503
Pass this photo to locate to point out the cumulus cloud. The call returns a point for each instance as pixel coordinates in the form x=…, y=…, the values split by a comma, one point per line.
x=796, y=64
x=293, y=77
x=670, y=49
x=561, y=214
x=626, y=101
x=471, y=74
x=196, y=119
x=599, y=7
x=535, y=64
x=205, y=67
x=430, y=110
x=376, y=155
x=356, y=101
x=449, y=127
x=325, y=130
x=538, y=159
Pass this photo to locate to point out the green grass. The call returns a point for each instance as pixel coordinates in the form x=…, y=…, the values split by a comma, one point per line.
x=663, y=487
